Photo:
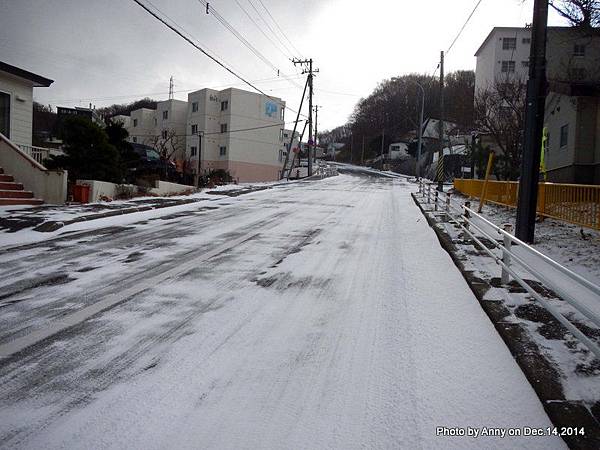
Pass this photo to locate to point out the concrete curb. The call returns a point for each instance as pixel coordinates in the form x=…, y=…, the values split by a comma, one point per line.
x=541, y=372
x=53, y=225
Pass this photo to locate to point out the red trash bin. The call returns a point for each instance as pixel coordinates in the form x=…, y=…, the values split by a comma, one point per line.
x=81, y=193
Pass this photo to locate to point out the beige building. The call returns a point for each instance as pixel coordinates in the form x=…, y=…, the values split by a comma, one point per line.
x=241, y=132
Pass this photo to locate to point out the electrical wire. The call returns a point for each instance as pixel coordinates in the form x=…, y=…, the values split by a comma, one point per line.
x=238, y=35
x=285, y=49
x=279, y=28
x=175, y=30
x=464, y=26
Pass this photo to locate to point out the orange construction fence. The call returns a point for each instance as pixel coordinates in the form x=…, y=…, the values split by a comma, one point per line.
x=575, y=203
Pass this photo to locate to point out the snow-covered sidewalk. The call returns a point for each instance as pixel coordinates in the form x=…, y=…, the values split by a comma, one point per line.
x=340, y=323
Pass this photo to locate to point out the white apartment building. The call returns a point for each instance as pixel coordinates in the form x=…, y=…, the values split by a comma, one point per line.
x=235, y=130
x=285, y=145
x=572, y=113
x=232, y=129
x=163, y=128
x=504, y=55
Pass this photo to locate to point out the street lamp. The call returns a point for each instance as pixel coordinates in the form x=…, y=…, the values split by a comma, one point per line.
x=420, y=131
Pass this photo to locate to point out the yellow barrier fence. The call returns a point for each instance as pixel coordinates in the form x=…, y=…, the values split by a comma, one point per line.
x=574, y=203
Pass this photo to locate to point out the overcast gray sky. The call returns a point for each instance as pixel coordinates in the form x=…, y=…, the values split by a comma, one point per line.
x=112, y=51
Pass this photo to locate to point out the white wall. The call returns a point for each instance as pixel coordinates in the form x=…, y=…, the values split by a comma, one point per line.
x=48, y=185
x=248, y=110
x=21, y=107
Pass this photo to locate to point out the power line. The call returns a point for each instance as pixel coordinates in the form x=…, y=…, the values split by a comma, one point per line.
x=218, y=132
x=237, y=35
x=279, y=28
x=244, y=41
x=285, y=49
x=175, y=30
x=268, y=26
x=464, y=25
x=116, y=97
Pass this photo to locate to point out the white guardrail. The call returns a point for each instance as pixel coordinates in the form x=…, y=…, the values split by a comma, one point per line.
x=462, y=215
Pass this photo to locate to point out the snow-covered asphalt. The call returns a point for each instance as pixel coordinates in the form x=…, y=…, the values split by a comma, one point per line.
x=322, y=314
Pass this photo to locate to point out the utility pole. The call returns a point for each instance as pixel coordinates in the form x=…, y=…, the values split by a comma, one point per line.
x=171, y=88
x=534, y=125
x=440, y=165
x=420, y=130
x=382, y=141
x=362, y=154
x=198, y=161
x=289, y=148
x=310, y=71
x=316, y=132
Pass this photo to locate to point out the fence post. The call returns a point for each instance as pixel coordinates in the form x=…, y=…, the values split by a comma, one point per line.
x=467, y=214
x=435, y=207
x=429, y=193
x=505, y=278
x=448, y=202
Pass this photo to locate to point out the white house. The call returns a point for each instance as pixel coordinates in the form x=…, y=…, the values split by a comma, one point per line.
x=16, y=102
x=23, y=179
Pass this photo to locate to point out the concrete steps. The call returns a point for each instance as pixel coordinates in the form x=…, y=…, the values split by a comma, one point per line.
x=13, y=193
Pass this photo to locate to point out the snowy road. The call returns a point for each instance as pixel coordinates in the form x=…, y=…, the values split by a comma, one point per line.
x=318, y=315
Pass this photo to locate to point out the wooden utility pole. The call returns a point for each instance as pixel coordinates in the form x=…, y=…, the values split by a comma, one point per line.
x=310, y=71
x=289, y=149
x=440, y=168
x=534, y=125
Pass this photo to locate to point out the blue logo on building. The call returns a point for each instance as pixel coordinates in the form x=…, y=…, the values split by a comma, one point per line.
x=270, y=109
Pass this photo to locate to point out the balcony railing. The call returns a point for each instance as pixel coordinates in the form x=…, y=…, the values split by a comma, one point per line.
x=40, y=154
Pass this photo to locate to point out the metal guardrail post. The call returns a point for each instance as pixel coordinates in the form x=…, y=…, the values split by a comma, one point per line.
x=448, y=202
x=437, y=193
x=507, y=241
x=429, y=193
x=467, y=214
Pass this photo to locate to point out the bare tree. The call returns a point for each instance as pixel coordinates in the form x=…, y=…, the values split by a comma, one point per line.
x=580, y=13
x=500, y=114
x=166, y=144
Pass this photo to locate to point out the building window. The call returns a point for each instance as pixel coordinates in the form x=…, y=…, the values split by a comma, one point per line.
x=134, y=139
x=165, y=115
x=164, y=134
x=564, y=135
x=193, y=150
x=508, y=66
x=194, y=106
x=223, y=128
x=525, y=63
x=135, y=122
x=526, y=41
x=509, y=43
x=195, y=129
x=280, y=155
x=282, y=113
x=224, y=105
x=579, y=50
x=5, y=114
x=222, y=150
x=281, y=134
